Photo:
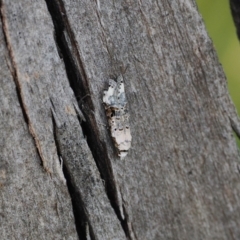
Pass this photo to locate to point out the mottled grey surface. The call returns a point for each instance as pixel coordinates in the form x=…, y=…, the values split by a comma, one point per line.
x=36, y=102
x=33, y=203
x=180, y=179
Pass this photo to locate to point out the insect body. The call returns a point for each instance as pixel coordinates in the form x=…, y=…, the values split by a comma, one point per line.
x=118, y=118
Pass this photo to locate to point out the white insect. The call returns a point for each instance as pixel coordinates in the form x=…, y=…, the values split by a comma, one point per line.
x=118, y=117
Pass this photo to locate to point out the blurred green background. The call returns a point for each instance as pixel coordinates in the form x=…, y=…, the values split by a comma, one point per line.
x=221, y=29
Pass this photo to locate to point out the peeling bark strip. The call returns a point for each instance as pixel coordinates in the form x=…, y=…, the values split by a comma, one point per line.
x=16, y=76
x=15, y=73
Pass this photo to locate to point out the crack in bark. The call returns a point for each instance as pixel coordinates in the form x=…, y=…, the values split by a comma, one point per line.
x=82, y=221
x=79, y=84
x=15, y=74
x=129, y=231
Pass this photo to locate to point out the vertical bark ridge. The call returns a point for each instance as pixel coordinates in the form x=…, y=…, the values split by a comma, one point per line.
x=15, y=74
x=77, y=77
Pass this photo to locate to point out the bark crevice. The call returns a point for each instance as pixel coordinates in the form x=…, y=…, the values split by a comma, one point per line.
x=80, y=216
x=78, y=82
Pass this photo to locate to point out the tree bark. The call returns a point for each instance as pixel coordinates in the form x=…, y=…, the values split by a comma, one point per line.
x=60, y=176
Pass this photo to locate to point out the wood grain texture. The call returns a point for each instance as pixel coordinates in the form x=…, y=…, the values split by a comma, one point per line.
x=33, y=204
x=182, y=168
x=180, y=180
x=51, y=112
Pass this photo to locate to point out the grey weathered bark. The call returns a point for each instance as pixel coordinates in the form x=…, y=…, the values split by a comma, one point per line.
x=60, y=177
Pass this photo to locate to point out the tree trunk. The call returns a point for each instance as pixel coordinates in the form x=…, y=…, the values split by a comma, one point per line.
x=60, y=175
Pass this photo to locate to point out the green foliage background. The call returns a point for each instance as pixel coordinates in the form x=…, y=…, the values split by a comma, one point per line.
x=221, y=29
